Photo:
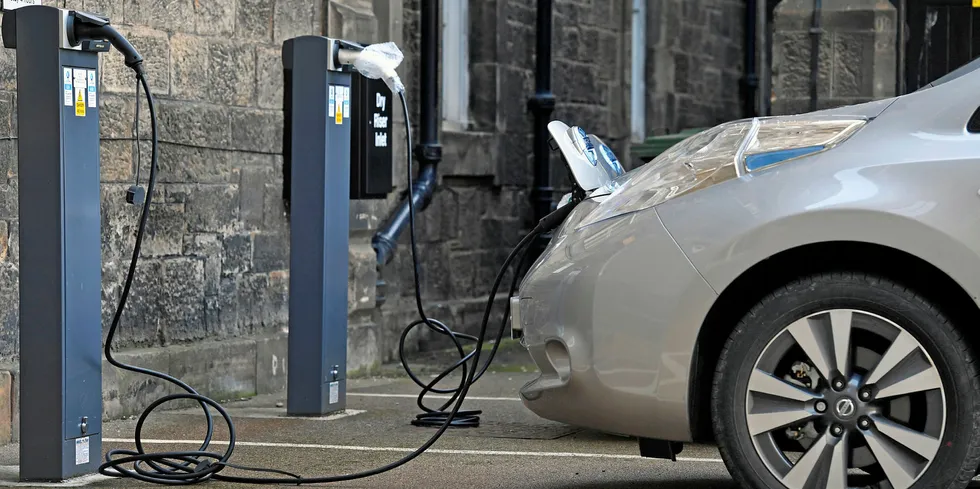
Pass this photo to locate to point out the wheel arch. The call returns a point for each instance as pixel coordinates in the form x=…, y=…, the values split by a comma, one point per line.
x=738, y=297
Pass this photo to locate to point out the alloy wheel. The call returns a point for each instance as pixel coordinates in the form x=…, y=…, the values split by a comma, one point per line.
x=845, y=398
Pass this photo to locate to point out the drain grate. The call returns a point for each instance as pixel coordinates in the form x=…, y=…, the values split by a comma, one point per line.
x=517, y=431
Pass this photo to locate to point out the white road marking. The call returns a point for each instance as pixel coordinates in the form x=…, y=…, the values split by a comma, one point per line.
x=433, y=396
x=356, y=448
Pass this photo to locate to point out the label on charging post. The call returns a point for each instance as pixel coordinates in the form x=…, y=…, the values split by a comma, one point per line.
x=80, y=82
x=334, y=392
x=346, y=102
x=339, y=112
x=332, y=97
x=67, y=82
x=91, y=88
x=81, y=451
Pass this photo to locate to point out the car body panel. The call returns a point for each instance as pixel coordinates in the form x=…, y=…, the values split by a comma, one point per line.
x=626, y=297
x=590, y=295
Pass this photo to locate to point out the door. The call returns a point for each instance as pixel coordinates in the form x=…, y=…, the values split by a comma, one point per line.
x=942, y=35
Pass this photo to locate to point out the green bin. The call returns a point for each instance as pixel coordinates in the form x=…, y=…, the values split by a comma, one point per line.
x=653, y=146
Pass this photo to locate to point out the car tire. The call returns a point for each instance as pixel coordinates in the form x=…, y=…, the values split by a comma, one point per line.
x=875, y=303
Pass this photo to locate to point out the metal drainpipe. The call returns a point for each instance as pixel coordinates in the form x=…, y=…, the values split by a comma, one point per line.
x=815, y=32
x=428, y=151
x=542, y=104
x=750, y=84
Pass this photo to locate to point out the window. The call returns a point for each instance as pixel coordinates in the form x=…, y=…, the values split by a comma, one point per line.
x=638, y=90
x=455, y=64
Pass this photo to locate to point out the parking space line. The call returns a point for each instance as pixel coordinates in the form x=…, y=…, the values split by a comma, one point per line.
x=433, y=396
x=498, y=453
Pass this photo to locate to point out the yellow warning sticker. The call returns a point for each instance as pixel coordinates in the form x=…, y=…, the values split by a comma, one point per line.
x=976, y=3
x=80, y=102
x=339, y=109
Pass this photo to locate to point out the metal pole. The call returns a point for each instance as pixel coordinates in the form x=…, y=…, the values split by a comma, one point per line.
x=750, y=84
x=316, y=150
x=900, y=49
x=815, y=32
x=542, y=104
x=60, y=248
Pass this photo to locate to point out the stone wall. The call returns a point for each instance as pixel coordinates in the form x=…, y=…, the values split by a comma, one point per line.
x=856, y=57
x=695, y=57
x=210, y=300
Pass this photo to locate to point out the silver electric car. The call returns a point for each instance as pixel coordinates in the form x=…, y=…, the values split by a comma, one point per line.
x=801, y=290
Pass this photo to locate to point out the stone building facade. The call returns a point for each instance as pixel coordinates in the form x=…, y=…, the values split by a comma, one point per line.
x=210, y=301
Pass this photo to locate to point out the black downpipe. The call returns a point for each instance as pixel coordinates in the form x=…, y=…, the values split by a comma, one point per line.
x=429, y=151
x=542, y=104
x=750, y=84
x=815, y=32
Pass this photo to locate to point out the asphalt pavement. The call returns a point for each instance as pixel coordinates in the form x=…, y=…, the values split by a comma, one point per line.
x=512, y=448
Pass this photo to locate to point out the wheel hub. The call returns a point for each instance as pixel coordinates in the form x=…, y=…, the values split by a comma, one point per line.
x=862, y=364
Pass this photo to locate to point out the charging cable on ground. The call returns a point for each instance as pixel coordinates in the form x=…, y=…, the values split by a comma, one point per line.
x=189, y=467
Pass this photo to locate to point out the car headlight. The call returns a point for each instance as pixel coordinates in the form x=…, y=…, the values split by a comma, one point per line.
x=724, y=152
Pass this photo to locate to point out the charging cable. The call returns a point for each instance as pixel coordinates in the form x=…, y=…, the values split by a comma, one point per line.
x=189, y=467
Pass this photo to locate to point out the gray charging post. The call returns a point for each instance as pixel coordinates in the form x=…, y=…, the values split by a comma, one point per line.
x=60, y=245
x=316, y=155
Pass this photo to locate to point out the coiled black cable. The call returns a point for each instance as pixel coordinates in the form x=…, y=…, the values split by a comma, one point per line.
x=190, y=467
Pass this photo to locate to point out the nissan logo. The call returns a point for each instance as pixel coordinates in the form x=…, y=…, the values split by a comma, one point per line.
x=845, y=407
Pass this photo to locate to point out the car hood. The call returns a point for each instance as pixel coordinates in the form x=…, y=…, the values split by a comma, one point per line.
x=868, y=109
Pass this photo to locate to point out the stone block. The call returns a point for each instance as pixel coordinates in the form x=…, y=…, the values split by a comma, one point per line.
x=573, y=82
x=271, y=252
x=269, y=78
x=271, y=364
x=232, y=73
x=222, y=370
x=255, y=19
x=791, y=65
x=154, y=45
x=113, y=9
x=4, y=241
x=8, y=160
x=214, y=17
x=362, y=277
x=116, y=116
x=484, y=96
x=274, y=210
x=8, y=201
x=513, y=115
x=854, y=66
x=469, y=153
x=208, y=247
x=168, y=15
x=349, y=20
x=292, y=18
x=190, y=164
x=6, y=406
x=194, y=124
x=190, y=61
x=363, y=347
x=165, y=231
x=252, y=188
x=7, y=115
x=126, y=393
x=8, y=69
x=237, y=254
x=257, y=130
x=262, y=302
x=117, y=161
x=15, y=408
x=212, y=208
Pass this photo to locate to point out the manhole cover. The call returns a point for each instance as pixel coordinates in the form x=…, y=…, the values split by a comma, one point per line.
x=519, y=431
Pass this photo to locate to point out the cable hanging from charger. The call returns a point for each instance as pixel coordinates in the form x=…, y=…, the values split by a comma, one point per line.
x=190, y=467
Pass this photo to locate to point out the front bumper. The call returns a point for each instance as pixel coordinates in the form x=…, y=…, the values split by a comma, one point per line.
x=610, y=315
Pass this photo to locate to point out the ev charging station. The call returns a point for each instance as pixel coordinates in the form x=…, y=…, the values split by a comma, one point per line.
x=61, y=248
x=336, y=105
x=336, y=147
